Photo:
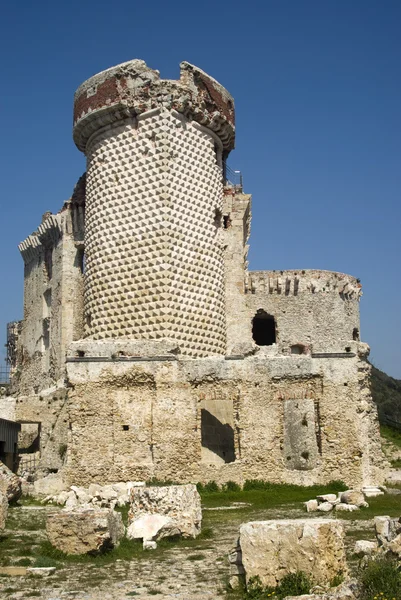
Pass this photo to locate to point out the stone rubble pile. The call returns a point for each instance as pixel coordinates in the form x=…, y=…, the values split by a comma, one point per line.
x=166, y=511
x=84, y=530
x=388, y=538
x=107, y=496
x=349, y=500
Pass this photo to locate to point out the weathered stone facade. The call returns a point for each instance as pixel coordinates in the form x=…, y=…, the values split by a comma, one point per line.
x=147, y=348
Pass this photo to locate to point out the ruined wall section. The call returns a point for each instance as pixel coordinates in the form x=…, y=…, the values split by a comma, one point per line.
x=315, y=309
x=52, y=303
x=235, y=235
x=219, y=419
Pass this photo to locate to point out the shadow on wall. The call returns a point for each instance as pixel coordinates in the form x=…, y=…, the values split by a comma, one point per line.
x=217, y=437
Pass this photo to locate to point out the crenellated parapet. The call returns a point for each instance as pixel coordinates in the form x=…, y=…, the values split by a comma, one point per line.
x=295, y=282
x=48, y=233
x=132, y=88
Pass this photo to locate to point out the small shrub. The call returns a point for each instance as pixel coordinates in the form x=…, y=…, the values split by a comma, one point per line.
x=337, y=580
x=159, y=482
x=231, y=486
x=381, y=578
x=294, y=584
x=255, y=484
x=305, y=455
x=211, y=487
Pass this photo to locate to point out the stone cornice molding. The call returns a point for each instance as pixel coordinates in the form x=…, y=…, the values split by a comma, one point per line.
x=132, y=88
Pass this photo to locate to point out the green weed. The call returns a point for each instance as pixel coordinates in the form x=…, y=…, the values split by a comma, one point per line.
x=380, y=579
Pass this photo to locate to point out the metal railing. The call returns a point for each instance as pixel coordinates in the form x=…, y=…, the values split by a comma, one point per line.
x=4, y=374
x=232, y=178
x=385, y=420
x=27, y=463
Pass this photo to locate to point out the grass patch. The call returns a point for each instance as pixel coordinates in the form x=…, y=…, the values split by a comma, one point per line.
x=45, y=562
x=126, y=550
x=293, y=584
x=262, y=494
x=23, y=562
x=194, y=557
x=380, y=579
x=391, y=435
x=396, y=463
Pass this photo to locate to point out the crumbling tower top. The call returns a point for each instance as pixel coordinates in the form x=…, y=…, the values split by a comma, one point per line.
x=132, y=88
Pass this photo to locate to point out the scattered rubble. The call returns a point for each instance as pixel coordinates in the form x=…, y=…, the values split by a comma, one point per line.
x=84, y=530
x=108, y=496
x=349, y=500
x=388, y=534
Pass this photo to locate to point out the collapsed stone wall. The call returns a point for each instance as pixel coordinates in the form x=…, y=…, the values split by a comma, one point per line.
x=286, y=419
x=53, y=318
x=53, y=288
x=315, y=309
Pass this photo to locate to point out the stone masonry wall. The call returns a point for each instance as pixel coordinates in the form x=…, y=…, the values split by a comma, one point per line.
x=317, y=309
x=53, y=289
x=136, y=419
x=154, y=264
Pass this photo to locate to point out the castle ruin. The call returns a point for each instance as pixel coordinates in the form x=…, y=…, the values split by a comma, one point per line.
x=147, y=348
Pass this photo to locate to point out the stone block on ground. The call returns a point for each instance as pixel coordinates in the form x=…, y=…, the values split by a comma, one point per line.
x=346, y=507
x=372, y=492
x=179, y=503
x=354, y=497
x=273, y=549
x=52, y=484
x=10, y=484
x=84, y=530
x=3, y=510
x=311, y=505
x=325, y=507
x=327, y=498
x=365, y=547
x=386, y=529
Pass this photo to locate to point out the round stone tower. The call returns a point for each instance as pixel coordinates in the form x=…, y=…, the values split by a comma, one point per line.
x=155, y=149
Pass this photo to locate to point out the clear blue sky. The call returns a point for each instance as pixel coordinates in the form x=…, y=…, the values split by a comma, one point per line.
x=317, y=86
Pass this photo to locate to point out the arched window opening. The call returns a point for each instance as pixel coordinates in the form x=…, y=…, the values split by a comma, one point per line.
x=263, y=329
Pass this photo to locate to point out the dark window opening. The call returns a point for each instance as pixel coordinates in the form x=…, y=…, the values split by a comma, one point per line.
x=297, y=349
x=49, y=262
x=226, y=221
x=355, y=334
x=125, y=427
x=46, y=332
x=80, y=260
x=263, y=329
x=217, y=218
x=217, y=437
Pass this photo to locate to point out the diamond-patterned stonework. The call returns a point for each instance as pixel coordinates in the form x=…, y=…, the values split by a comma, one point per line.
x=154, y=267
